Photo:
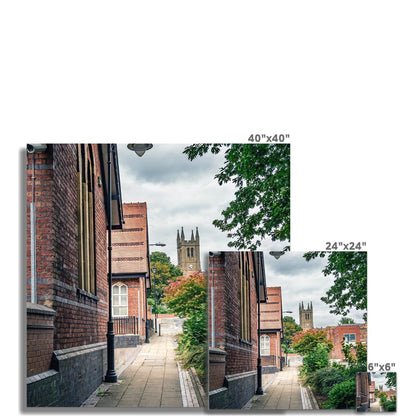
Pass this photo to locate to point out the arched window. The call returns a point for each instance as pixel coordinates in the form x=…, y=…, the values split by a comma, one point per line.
x=264, y=345
x=120, y=300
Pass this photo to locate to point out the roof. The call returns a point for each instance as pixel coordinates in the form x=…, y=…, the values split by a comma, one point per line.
x=271, y=311
x=114, y=179
x=130, y=253
x=260, y=275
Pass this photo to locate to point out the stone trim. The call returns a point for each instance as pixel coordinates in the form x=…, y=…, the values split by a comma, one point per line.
x=82, y=349
x=39, y=309
x=40, y=376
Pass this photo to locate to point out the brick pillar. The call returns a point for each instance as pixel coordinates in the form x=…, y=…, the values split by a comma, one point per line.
x=40, y=331
x=217, y=358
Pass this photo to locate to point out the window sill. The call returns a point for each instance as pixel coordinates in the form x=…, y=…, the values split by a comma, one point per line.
x=245, y=342
x=86, y=294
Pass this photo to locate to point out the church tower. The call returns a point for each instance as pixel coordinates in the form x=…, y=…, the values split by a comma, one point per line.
x=306, y=316
x=188, y=252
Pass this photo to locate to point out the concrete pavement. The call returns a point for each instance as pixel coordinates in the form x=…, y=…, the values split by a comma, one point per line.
x=285, y=392
x=153, y=380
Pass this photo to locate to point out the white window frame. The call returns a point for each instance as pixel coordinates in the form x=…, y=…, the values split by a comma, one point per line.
x=117, y=299
x=348, y=340
x=264, y=345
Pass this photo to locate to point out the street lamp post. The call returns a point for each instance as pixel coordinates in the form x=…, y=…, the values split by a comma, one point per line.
x=154, y=270
x=140, y=149
x=111, y=375
x=259, y=390
x=277, y=255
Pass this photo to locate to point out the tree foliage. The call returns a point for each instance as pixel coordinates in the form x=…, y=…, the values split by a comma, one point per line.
x=187, y=297
x=316, y=359
x=165, y=272
x=261, y=208
x=356, y=356
x=305, y=342
x=344, y=321
x=342, y=396
x=290, y=328
x=391, y=380
x=349, y=270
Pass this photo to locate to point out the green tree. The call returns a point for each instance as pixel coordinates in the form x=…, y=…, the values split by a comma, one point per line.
x=316, y=359
x=344, y=321
x=165, y=272
x=349, y=270
x=391, y=380
x=383, y=397
x=304, y=343
x=356, y=356
x=290, y=328
x=261, y=208
x=187, y=297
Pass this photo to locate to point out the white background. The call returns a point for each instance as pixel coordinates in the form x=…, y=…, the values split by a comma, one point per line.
x=339, y=77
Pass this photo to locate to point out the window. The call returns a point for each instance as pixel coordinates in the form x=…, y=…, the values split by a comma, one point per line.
x=245, y=323
x=120, y=300
x=264, y=345
x=86, y=223
x=349, y=338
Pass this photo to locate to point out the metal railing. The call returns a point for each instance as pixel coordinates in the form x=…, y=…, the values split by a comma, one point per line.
x=124, y=325
x=268, y=360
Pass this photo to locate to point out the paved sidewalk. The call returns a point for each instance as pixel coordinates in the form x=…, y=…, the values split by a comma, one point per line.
x=284, y=392
x=152, y=380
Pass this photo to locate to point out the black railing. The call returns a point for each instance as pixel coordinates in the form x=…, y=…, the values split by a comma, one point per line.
x=268, y=360
x=124, y=325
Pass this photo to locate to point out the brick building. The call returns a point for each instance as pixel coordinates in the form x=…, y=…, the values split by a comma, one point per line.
x=271, y=330
x=67, y=285
x=372, y=392
x=131, y=276
x=233, y=326
x=363, y=388
x=353, y=334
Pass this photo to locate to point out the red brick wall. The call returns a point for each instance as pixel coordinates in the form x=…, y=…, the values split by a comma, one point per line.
x=338, y=334
x=80, y=318
x=224, y=274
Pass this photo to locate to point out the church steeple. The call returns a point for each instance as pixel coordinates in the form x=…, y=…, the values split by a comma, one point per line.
x=188, y=252
x=306, y=316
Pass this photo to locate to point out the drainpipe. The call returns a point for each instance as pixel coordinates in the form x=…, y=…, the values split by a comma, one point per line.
x=32, y=149
x=211, y=255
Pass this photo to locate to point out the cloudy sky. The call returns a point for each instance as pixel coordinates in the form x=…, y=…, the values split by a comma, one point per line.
x=303, y=281
x=380, y=380
x=180, y=193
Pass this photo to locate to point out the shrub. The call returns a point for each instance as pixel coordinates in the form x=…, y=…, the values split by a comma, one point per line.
x=389, y=406
x=316, y=359
x=383, y=397
x=342, y=396
x=326, y=378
